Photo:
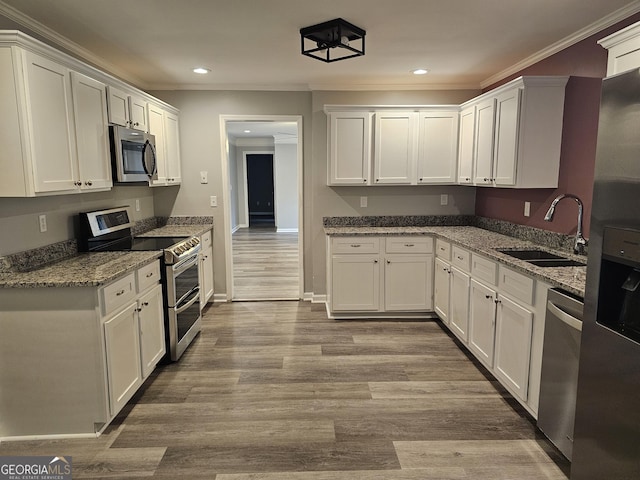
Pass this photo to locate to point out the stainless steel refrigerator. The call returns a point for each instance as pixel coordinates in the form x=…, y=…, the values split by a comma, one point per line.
x=607, y=426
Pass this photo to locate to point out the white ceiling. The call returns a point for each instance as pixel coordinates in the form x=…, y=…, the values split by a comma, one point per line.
x=255, y=44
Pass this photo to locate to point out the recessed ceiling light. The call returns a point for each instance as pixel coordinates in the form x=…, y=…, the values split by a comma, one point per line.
x=420, y=71
x=247, y=131
x=201, y=70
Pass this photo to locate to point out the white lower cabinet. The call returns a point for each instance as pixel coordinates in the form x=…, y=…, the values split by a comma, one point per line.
x=482, y=322
x=514, y=327
x=441, y=288
x=459, y=306
x=380, y=274
x=406, y=282
x=122, y=347
x=95, y=345
x=499, y=314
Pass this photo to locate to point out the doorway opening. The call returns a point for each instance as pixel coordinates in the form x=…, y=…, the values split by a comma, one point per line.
x=260, y=191
x=262, y=161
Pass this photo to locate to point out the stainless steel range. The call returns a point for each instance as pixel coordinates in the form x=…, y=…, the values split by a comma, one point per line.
x=110, y=230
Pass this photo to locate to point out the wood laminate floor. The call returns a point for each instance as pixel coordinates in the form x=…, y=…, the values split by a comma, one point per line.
x=265, y=265
x=276, y=391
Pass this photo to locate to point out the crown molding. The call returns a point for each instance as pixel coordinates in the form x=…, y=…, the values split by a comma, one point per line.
x=294, y=87
x=392, y=87
x=566, y=42
x=56, y=39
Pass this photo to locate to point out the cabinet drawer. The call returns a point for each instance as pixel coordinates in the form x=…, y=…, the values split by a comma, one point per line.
x=461, y=258
x=409, y=245
x=118, y=293
x=484, y=269
x=205, y=240
x=517, y=285
x=443, y=249
x=355, y=245
x=148, y=276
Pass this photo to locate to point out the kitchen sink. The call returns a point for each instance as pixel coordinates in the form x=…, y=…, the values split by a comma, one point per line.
x=541, y=258
x=531, y=255
x=559, y=262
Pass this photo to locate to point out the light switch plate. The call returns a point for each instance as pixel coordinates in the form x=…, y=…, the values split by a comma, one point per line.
x=42, y=220
x=204, y=177
x=213, y=201
x=527, y=209
x=363, y=201
x=444, y=199
x=137, y=204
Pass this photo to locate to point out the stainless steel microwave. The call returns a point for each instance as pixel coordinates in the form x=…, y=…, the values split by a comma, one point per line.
x=133, y=155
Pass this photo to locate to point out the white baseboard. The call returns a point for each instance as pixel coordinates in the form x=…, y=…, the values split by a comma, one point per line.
x=313, y=298
x=220, y=298
x=58, y=436
x=287, y=230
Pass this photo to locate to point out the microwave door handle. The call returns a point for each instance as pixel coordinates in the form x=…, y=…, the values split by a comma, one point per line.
x=148, y=145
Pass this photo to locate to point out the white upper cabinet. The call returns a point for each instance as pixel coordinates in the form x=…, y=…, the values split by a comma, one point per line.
x=163, y=126
x=407, y=146
x=92, y=132
x=623, y=48
x=438, y=147
x=127, y=110
x=466, y=145
x=395, y=150
x=517, y=134
x=349, y=148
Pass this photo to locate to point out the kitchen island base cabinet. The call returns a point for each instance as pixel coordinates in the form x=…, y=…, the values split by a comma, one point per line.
x=70, y=358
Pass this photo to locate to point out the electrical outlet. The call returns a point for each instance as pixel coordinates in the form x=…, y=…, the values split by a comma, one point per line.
x=213, y=201
x=204, y=177
x=363, y=202
x=42, y=219
x=444, y=199
x=527, y=209
x=137, y=204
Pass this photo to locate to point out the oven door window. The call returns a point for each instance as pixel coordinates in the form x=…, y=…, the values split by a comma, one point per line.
x=188, y=312
x=185, y=282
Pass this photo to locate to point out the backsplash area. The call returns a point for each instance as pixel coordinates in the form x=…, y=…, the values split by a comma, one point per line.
x=31, y=259
x=536, y=235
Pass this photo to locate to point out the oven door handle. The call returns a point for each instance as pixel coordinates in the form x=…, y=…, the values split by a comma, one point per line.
x=196, y=296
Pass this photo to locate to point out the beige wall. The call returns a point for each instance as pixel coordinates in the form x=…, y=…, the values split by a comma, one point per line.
x=19, y=226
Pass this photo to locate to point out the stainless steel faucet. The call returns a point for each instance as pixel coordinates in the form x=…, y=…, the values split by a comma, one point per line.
x=580, y=242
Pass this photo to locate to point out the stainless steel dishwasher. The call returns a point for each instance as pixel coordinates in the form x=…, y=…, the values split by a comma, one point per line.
x=560, y=358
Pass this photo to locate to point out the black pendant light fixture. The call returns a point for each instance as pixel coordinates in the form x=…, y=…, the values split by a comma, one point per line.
x=332, y=41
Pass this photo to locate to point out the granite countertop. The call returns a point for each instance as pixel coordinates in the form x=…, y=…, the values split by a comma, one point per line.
x=486, y=242
x=83, y=270
x=175, y=230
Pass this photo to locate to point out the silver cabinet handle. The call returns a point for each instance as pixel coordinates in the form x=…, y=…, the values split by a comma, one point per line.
x=459, y=257
x=149, y=275
x=409, y=245
x=121, y=292
x=355, y=245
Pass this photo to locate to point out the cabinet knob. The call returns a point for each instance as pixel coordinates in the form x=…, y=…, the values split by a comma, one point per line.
x=421, y=179
x=365, y=180
x=88, y=182
x=486, y=179
x=377, y=179
x=488, y=296
x=355, y=245
x=150, y=274
x=388, y=261
x=121, y=292
x=138, y=310
x=375, y=261
x=77, y=184
x=497, y=301
x=409, y=245
x=145, y=304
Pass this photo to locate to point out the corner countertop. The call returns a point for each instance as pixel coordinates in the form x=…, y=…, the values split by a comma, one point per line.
x=486, y=243
x=175, y=230
x=83, y=270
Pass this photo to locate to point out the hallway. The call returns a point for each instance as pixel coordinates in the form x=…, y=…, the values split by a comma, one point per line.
x=265, y=265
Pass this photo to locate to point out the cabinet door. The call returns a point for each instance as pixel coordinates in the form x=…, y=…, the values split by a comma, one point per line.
x=506, y=142
x=206, y=258
x=92, y=132
x=408, y=283
x=50, y=123
x=350, y=148
x=438, y=147
x=138, y=113
x=156, y=128
x=459, y=304
x=118, y=106
x=485, y=117
x=355, y=283
x=152, y=339
x=395, y=150
x=441, y=290
x=482, y=322
x=172, y=148
x=122, y=346
x=466, y=147
x=514, y=326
